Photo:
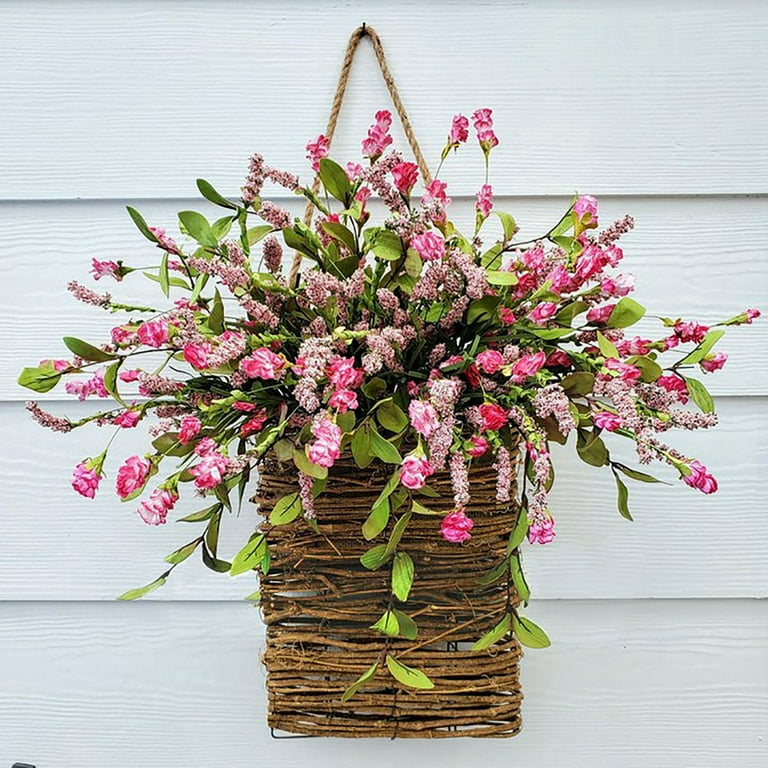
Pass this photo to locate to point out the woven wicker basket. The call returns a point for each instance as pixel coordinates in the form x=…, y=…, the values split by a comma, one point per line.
x=318, y=603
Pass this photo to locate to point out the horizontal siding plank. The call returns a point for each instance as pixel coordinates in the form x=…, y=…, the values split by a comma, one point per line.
x=682, y=544
x=624, y=683
x=694, y=256
x=644, y=98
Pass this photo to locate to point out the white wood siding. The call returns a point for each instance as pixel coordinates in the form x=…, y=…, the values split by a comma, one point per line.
x=659, y=108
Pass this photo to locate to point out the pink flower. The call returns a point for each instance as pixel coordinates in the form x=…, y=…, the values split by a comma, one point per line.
x=122, y=334
x=343, y=374
x=58, y=365
x=627, y=373
x=600, y=315
x=507, y=316
x=92, y=386
x=153, y=333
x=414, y=472
x=479, y=446
x=423, y=417
x=197, y=355
x=132, y=476
x=591, y=262
x=85, y=479
x=620, y=285
x=606, y=420
x=456, y=527
x=752, y=314
x=343, y=400
x=189, y=429
x=316, y=150
x=490, y=361
x=483, y=123
x=262, y=364
x=557, y=359
x=354, y=171
x=528, y=365
x=484, y=202
x=436, y=191
x=127, y=419
x=164, y=241
x=635, y=346
x=405, y=175
x=209, y=471
x=327, y=445
x=586, y=205
x=378, y=138
x=700, y=478
x=714, y=362
x=155, y=509
x=255, y=423
x=430, y=246
x=674, y=384
x=690, y=331
x=130, y=375
x=105, y=269
x=542, y=312
x=542, y=532
x=493, y=416
x=459, y=131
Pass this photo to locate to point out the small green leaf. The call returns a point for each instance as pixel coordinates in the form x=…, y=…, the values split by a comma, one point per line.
x=579, y=383
x=482, y=310
x=250, y=556
x=198, y=228
x=496, y=277
x=700, y=395
x=377, y=520
x=182, y=553
x=216, y=317
x=339, y=232
x=302, y=461
x=508, y=224
x=209, y=193
x=650, y=370
x=622, y=498
x=398, y=530
x=607, y=348
x=138, y=220
x=698, y=354
x=87, y=351
x=383, y=449
x=163, y=276
x=530, y=634
x=494, y=635
x=391, y=416
x=375, y=557
x=402, y=576
x=41, y=378
x=518, y=578
x=201, y=515
x=384, y=243
x=492, y=576
x=491, y=259
x=110, y=381
x=419, y=509
x=335, y=180
x=408, y=676
x=406, y=625
x=626, y=312
x=135, y=594
x=592, y=451
x=286, y=510
x=519, y=532
x=636, y=474
x=387, y=625
x=360, y=682
x=254, y=597
x=361, y=447
x=255, y=234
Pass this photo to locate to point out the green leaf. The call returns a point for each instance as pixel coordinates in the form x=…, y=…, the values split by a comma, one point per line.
x=87, y=351
x=626, y=312
x=299, y=242
x=408, y=676
x=335, y=180
x=198, y=228
x=592, y=451
x=508, y=224
x=387, y=625
x=302, y=461
x=496, y=277
x=391, y=416
x=138, y=220
x=254, y=597
x=622, y=498
x=216, y=317
x=163, y=276
x=255, y=234
x=402, y=575
x=383, y=449
x=406, y=625
x=491, y=259
x=579, y=383
x=384, y=243
x=374, y=388
x=360, y=682
x=110, y=381
x=339, y=232
x=398, y=530
x=201, y=515
x=607, y=348
x=495, y=634
x=530, y=634
x=568, y=312
x=346, y=421
x=379, y=517
x=635, y=474
x=700, y=395
x=414, y=264
x=250, y=556
x=286, y=510
x=182, y=553
x=650, y=370
x=213, y=563
x=492, y=576
x=483, y=309
x=698, y=354
x=209, y=193
x=135, y=594
x=419, y=509
x=518, y=578
x=375, y=557
x=221, y=226
x=42, y=378
x=519, y=532
x=361, y=447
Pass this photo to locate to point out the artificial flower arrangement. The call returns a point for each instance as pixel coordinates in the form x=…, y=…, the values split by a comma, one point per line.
x=407, y=347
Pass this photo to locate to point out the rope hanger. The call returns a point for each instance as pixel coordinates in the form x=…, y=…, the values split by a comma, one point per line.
x=354, y=41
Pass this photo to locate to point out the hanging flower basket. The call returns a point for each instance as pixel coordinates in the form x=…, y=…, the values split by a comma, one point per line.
x=385, y=397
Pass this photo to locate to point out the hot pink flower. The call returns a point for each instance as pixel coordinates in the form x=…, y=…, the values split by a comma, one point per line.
x=586, y=204
x=414, y=472
x=600, y=315
x=354, y=171
x=591, y=262
x=343, y=374
x=634, y=346
x=429, y=245
x=344, y=400
x=58, y=365
x=189, y=429
x=483, y=123
x=675, y=384
x=166, y=242
x=243, y=405
x=105, y=269
x=507, y=316
x=691, y=331
x=542, y=312
x=627, y=373
x=85, y=479
x=752, y=314
x=197, y=355
x=378, y=138
x=557, y=359
x=423, y=417
x=714, y=362
x=490, y=361
x=155, y=509
x=209, y=471
x=92, y=386
x=456, y=527
x=255, y=423
x=528, y=365
x=129, y=375
x=316, y=150
x=436, y=190
x=263, y=364
x=493, y=416
x=484, y=202
x=459, y=130
x=606, y=420
x=700, y=478
x=132, y=476
x=153, y=333
x=620, y=285
x=542, y=532
x=121, y=334
x=127, y=419
x=327, y=445
x=405, y=175
x=479, y=446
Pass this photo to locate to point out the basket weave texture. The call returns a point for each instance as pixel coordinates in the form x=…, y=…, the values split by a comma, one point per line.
x=318, y=603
